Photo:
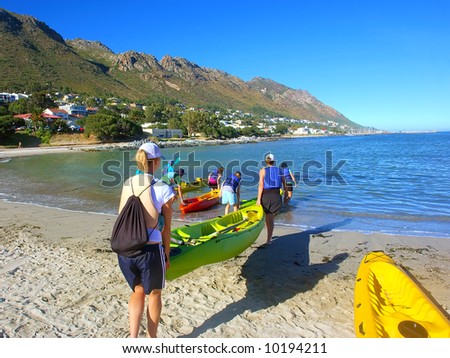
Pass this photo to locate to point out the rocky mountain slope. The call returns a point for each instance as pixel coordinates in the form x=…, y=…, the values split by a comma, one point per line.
x=33, y=53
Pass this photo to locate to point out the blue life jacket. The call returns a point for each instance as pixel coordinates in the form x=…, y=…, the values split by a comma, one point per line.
x=214, y=174
x=287, y=174
x=232, y=181
x=272, y=178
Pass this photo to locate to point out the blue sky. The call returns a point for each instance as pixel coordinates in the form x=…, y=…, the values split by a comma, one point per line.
x=381, y=63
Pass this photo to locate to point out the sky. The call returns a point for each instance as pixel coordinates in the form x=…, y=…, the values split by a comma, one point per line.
x=381, y=63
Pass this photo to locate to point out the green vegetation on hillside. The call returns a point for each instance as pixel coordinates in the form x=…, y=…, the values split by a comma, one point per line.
x=36, y=58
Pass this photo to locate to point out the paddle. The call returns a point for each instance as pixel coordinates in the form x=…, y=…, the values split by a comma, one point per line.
x=252, y=216
x=175, y=162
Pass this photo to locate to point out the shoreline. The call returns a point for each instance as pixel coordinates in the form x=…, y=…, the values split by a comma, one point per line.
x=46, y=292
x=186, y=143
x=61, y=148
x=280, y=225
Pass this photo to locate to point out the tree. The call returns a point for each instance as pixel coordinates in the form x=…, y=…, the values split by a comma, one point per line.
x=128, y=128
x=36, y=119
x=154, y=112
x=3, y=111
x=176, y=123
x=7, y=126
x=19, y=107
x=191, y=120
x=110, y=126
x=103, y=126
x=281, y=128
x=228, y=132
x=210, y=126
x=40, y=100
x=137, y=115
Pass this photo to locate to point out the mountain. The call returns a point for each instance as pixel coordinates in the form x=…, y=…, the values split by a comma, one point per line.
x=33, y=53
x=300, y=101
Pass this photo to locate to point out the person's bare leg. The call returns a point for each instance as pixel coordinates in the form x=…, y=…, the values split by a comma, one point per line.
x=153, y=312
x=270, y=218
x=136, y=306
x=235, y=208
x=288, y=198
x=227, y=209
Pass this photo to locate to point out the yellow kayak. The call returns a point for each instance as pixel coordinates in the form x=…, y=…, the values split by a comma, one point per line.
x=390, y=303
x=194, y=185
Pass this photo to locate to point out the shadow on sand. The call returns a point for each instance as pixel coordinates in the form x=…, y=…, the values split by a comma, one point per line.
x=276, y=273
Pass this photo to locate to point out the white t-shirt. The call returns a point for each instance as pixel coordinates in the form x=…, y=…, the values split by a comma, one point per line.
x=161, y=194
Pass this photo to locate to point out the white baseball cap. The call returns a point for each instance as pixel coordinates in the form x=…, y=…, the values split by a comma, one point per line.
x=270, y=157
x=152, y=150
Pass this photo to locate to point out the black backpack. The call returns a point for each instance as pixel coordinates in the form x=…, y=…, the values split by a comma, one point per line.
x=129, y=233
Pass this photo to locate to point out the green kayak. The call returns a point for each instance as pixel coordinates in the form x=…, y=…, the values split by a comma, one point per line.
x=214, y=240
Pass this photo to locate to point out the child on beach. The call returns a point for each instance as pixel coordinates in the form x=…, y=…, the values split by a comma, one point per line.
x=230, y=192
x=145, y=273
x=271, y=180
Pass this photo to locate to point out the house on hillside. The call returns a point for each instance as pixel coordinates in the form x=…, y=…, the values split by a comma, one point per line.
x=61, y=113
x=75, y=109
x=164, y=133
x=301, y=131
x=11, y=97
x=92, y=110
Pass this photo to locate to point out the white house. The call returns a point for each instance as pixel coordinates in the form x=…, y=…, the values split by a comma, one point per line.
x=164, y=133
x=75, y=109
x=57, y=112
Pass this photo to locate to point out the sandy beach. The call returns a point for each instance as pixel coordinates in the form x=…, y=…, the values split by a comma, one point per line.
x=59, y=278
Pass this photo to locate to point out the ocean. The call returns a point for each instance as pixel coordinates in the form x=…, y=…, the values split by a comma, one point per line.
x=387, y=183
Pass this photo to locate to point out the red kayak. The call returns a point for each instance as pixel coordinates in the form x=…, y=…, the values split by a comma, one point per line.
x=201, y=202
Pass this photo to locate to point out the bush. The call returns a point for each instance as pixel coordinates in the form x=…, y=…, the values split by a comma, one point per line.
x=7, y=126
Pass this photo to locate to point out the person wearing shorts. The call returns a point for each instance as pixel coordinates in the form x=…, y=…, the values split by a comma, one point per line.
x=230, y=192
x=145, y=273
x=271, y=181
x=290, y=182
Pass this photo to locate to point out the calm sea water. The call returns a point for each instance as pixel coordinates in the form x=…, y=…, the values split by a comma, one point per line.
x=395, y=184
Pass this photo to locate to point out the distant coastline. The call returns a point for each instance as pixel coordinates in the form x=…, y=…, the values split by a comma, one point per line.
x=8, y=152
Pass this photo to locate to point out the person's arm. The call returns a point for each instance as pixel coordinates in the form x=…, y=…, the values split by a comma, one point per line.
x=180, y=194
x=293, y=178
x=238, y=195
x=219, y=177
x=220, y=190
x=166, y=212
x=260, y=186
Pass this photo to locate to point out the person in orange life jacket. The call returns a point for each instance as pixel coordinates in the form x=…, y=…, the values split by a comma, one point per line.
x=271, y=180
x=215, y=177
x=230, y=192
x=290, y=182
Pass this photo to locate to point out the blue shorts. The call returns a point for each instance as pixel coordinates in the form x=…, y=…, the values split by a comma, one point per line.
x=229, y=197
x=148, y=268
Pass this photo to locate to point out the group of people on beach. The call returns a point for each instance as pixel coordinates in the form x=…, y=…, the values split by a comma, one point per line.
x=145, y=273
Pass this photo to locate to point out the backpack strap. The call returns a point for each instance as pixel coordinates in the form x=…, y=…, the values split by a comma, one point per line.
x=132, y=190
